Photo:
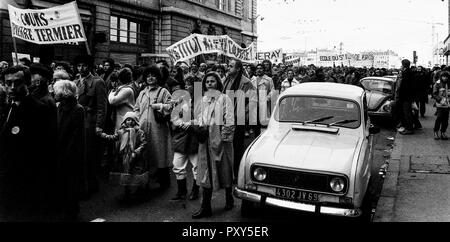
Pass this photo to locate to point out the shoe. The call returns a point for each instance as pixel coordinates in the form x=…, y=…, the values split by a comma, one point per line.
x=444, y=136
x=401, y=129
x=437, y=136
x=202, y=213
x=406, y=132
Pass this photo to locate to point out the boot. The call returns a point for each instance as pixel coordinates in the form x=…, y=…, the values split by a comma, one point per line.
x=194, y=192
x=182, y=190
x=205, y=209
x=229, y=198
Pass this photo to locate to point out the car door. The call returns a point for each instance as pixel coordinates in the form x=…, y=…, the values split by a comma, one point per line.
x=367, y=145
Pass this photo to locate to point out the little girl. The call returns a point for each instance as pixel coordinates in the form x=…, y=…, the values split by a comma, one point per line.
x=441, y=95
x=130, y=145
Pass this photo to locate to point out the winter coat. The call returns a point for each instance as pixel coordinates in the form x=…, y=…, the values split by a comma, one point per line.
x=405, y=86
x=215, y=154
x=158, y=152
x=285, y=84
x=26, y=168
x=184, y=141
x=93, y=99
x=123, y=102
x=71, y=152
x=246, y=87
x=441, y=94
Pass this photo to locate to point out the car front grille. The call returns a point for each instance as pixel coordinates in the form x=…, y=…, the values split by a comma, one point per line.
x=299, y=180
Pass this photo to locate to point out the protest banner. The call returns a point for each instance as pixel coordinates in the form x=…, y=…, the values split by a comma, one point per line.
x=197, y=44
x=56, y=25
x=275, y=56
x=17, y=56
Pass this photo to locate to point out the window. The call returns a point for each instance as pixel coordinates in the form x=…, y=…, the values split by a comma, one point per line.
x=125, y=30
x=113, y=28
x=222, y=5
x=250, y=9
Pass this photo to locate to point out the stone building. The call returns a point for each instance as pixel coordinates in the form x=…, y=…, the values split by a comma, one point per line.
x=136, y=31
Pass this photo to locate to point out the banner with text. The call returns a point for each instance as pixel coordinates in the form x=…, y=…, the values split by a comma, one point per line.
x=275, y=56
x=197, y=44
x=56, y=25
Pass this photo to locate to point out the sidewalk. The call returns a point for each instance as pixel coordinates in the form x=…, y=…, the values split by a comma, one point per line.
x=417, y=184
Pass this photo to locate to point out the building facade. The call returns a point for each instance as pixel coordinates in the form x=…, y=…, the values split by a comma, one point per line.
x=136, y=31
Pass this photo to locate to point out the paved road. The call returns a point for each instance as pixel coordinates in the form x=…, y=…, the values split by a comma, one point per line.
x=157, y=207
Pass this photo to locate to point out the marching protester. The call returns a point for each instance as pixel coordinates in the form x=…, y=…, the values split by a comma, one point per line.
x=405, y=97
x=122, y=98
x=185, y=143
x=441, y=96
x=233, y=82
x=153, y=107
x=131, y=142
x=25, y=183
x=215, y=152
x=290, y=81
x=423, y=84
x=264, y=86
x=92, y=96
x=71, y=150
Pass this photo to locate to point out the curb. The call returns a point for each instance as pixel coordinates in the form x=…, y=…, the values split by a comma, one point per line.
x=385, y=211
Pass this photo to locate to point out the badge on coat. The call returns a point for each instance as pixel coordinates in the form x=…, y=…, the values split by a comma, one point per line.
x=15, y=130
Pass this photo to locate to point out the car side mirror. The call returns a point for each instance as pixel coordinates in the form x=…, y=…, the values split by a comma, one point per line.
x=374, y=129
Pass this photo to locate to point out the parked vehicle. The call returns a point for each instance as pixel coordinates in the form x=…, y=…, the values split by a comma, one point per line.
x=315, y=155
x=380, y=95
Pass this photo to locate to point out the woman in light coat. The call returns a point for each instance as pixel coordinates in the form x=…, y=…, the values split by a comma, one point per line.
x=122, y=99
x=155, y=98
x=215, y=152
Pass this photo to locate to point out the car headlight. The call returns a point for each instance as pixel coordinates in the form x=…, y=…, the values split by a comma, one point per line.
x=387, y=106
x=260, y=174
x=337, y=184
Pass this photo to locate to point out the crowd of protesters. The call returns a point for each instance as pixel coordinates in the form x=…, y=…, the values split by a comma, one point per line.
x=63, y=124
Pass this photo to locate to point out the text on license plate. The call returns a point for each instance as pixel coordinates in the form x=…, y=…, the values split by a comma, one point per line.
x=296, y=195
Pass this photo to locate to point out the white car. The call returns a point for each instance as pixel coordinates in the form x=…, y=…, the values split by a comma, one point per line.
x=315, y=155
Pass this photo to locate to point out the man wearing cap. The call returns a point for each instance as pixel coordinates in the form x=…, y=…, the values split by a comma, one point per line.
x=92, y=96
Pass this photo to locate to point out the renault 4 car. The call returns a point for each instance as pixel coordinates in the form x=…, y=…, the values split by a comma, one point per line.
x=315, y=155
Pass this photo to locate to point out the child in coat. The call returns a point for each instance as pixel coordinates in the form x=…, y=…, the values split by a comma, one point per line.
x=130, y=143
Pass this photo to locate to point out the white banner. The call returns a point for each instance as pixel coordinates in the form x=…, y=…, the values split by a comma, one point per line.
x=275, y=56
x=19, y=56
x=56, y=25
x=197, y=44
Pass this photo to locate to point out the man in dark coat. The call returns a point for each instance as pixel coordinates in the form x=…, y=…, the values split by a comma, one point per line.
x=422, y=88
x=25, y=164
x=234, y=82
x=92, y=96
x=405, y=96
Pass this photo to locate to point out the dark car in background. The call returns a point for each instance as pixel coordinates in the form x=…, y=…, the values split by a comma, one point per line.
x=380, y=93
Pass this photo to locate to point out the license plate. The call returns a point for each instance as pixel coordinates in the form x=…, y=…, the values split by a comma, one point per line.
x=296, y=195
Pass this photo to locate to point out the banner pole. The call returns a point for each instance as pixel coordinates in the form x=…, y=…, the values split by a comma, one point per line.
x=82, y=28
x=87, y=48
x=15, y=50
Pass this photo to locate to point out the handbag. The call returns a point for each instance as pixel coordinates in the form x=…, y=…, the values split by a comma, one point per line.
x=160, y=117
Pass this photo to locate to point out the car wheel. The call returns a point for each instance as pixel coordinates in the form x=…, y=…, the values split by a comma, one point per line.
x=247, y=208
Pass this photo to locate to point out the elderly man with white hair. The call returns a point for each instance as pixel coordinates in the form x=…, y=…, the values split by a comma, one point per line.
x=71, y=163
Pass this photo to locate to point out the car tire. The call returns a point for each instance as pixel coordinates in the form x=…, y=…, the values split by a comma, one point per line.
x=247, y=208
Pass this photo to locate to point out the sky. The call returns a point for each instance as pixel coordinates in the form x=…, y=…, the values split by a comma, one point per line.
x=403, y=26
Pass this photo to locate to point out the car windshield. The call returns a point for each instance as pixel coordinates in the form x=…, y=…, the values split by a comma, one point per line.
x=318, y=110
x=378, y=85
